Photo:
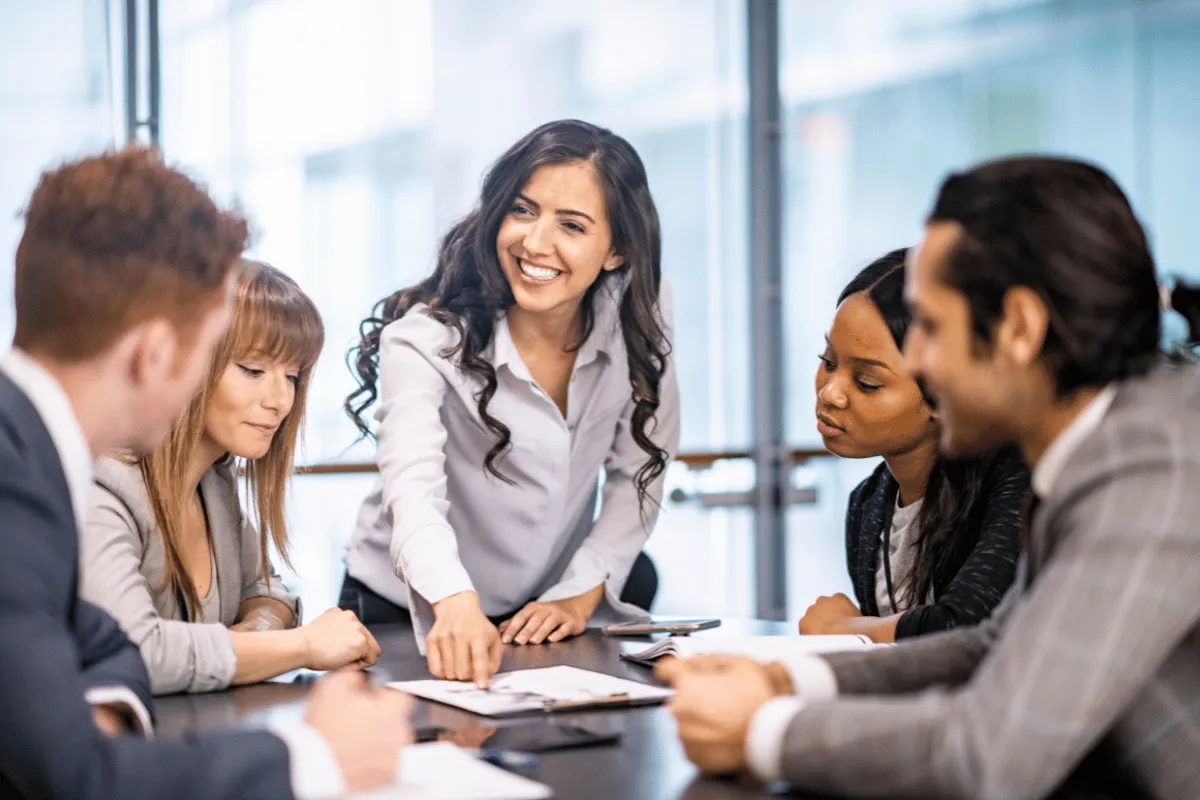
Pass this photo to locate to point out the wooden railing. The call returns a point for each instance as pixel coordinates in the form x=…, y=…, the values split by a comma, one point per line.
x=694, y=461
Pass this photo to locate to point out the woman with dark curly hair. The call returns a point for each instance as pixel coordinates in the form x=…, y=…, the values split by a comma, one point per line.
x=536, y=356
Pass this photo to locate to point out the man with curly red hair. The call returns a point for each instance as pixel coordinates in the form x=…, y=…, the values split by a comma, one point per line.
x=123, y=286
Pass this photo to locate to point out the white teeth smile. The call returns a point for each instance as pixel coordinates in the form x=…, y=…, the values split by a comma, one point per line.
x=537, y=273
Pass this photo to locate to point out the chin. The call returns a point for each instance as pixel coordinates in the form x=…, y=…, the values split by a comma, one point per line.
x=841, y=448
x=248, y=452
x=539, y=300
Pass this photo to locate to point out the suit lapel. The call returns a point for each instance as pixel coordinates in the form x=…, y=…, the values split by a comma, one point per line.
x=29, y=433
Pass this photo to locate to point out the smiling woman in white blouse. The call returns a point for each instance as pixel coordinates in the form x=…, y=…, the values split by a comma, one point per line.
x=536, y=357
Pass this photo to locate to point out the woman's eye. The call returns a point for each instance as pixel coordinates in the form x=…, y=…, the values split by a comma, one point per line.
x=518, y=208
x=573, y=227
x=295, y=379
x=251, y=371
x=826, y=362
x=868, y=387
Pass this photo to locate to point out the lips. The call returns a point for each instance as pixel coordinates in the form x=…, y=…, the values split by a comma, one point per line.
x=826, y=426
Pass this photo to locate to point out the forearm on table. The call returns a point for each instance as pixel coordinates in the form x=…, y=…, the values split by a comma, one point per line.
x=265, y=654
x=881, y=630
x=263, y=614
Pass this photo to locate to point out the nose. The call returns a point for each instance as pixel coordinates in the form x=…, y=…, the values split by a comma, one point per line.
x=831, y=393
x=537, y=237
x=278, y=394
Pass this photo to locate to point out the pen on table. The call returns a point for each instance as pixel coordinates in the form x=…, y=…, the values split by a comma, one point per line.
x=503, y=758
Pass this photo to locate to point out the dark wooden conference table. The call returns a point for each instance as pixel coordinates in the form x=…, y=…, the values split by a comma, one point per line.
x=647, y=764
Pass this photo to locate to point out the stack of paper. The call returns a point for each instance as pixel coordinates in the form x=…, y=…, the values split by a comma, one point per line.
x=440, y=771
x=760, y=648
x=548, y=689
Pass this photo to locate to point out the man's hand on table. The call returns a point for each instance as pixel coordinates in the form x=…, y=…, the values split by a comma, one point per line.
x=716, y=698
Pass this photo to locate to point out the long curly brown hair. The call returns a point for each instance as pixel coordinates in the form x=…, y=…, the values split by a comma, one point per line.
x=468, y=290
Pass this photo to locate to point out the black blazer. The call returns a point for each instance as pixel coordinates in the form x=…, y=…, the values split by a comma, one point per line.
x=965, y=590
x=54, y=646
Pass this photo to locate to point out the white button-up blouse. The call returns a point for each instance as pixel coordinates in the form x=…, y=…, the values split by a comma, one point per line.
x=437, y=523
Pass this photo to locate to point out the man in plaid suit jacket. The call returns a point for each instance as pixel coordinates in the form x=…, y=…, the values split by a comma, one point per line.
x=1036, y=319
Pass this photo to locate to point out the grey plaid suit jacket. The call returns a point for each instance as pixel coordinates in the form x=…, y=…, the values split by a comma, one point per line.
x=1097, y=644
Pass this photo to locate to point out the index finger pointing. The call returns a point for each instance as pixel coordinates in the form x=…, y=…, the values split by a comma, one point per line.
x=480, y=663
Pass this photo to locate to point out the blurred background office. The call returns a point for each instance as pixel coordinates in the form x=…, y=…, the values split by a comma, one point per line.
x=354, y=131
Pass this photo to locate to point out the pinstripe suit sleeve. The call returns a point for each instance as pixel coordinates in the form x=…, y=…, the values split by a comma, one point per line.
x=1114, y=594
x=942, y=659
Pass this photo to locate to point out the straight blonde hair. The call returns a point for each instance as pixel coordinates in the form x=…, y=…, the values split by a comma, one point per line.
x=274, y=319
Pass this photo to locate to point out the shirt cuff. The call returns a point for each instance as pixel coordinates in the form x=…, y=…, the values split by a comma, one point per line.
x=122, y=699
x=315, y=773
x=586, y=570
x=812, y=677
x=764, y=741
x=430, y=565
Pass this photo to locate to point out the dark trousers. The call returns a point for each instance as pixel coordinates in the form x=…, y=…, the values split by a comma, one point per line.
x=372, y=608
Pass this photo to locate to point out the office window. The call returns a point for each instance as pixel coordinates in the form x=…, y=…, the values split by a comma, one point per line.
x=883, y=99
x=56, y=103
x=355, y=131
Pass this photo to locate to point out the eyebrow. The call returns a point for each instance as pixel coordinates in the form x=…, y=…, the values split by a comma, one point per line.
x=871, y=362
x=566, y=212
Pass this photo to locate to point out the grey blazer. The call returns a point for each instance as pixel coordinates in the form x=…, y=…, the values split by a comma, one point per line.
x=1095, y=650
x=122, y=565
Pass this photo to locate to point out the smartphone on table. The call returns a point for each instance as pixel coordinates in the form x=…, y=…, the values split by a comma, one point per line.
x=672, y=626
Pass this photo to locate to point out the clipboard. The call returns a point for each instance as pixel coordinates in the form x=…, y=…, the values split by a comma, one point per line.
x=546, y=690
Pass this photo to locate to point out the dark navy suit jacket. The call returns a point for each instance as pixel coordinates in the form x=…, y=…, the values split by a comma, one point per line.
x=54, y=647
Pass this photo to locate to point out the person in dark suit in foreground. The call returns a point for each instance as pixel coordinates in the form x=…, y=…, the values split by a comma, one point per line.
x=123, y=285
x=1035, y=319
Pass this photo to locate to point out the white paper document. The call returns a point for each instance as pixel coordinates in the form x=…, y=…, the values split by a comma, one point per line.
x=548, y=689
x=760, y=648
x=441, y=771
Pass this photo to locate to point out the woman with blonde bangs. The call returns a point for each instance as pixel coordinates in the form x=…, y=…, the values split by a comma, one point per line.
x=168, y=550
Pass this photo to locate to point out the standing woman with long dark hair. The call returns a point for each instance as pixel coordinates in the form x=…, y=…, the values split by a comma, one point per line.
x=931, y=541
x=535, y=357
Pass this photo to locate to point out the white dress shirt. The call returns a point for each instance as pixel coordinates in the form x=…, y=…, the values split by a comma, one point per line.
x=900, y=555
x=812, y=676
x=314, y=770
x=436, y=523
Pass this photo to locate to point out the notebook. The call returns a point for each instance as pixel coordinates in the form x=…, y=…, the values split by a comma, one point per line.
x=547, y=689
x=441, y=771
x=760, y=648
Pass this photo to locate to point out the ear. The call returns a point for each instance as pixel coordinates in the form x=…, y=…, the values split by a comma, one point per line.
x=1024, y=322
x=152, y=348
x=614, y=261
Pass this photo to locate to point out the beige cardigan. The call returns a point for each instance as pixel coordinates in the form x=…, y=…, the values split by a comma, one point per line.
x=122, y=564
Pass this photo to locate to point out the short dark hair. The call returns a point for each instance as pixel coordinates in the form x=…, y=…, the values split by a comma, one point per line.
x=113, y=240
x=1064, y=229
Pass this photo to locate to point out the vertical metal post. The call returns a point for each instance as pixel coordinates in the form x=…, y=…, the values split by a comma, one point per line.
x=766, y=307
x=131, y=77
x=135, y=79
x=154, y=73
